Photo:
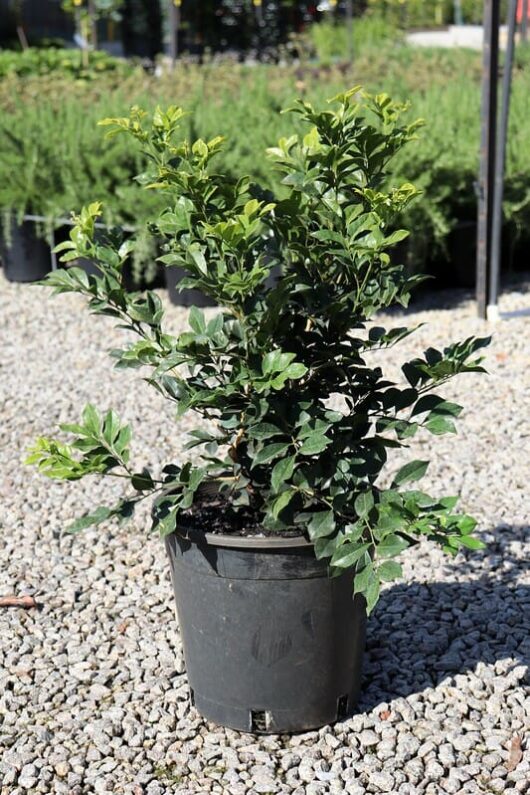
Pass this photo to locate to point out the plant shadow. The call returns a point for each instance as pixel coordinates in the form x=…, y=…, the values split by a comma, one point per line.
x=423, y=633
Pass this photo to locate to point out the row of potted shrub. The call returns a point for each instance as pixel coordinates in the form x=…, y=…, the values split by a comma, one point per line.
x=27, y=254
x=52, y=157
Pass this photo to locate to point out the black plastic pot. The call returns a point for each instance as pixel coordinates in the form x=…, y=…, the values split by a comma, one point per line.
x=271, y=643
x=129, y=281
x=463, y=254
x=25, y=257
x=132, y=284
x=186, y=297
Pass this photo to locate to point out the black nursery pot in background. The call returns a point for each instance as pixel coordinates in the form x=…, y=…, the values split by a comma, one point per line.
x=185, y=297
x=463, y=254
x=25, y=256
x=271, y=642
x=131, y=282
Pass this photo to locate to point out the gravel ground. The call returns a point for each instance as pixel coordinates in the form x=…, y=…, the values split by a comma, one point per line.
x=93, y=694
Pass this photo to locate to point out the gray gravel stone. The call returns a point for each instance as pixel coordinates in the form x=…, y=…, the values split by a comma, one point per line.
x=368, y=739
x=93, y=695
x=382, y=781
x=28, y=777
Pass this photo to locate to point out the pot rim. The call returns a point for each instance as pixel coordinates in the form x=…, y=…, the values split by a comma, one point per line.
x=266, y=542
x=244, y=542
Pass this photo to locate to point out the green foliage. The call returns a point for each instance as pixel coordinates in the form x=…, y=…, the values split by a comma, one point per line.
x=264, y=369
x=52, y=158
x=332, y=41
x=102, y=441
x=429, y=13
x=52, y=60
x=413, y=13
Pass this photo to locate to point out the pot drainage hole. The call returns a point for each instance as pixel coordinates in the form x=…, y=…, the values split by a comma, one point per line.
x=260, y=720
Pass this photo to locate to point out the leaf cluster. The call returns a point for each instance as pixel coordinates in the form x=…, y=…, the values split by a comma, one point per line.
x=299, y=279
x=57, y=61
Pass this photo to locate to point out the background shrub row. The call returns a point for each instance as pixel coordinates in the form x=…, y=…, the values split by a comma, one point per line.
x=54, y=157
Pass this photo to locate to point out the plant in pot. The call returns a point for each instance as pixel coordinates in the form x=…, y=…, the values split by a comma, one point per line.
x=25, y=189
x=281, y=533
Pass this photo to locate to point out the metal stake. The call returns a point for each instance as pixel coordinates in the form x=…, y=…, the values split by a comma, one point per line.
x=488, y=136
x=498, y=194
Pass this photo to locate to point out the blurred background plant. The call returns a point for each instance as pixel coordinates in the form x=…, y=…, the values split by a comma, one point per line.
x=86, y=14
x=429, y=13
x=53, y=156
x=44, y=60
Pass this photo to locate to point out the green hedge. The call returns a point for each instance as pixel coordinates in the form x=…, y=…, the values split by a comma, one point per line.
x=429, y=13
x=52, y=60
x=54, y=157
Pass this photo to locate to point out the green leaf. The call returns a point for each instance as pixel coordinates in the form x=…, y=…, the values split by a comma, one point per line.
x=314, y=443
x=398, y=398
x=449, y=503
x=348, y=554
x=471, y=542
x=165, y=523
x=197, y=320
x=123, y=439
x=438, y=405
x=352, y=532
x=282, y=502
x=325, y=547
x=111, y=427
x=362, y=579
x=264, y=430
x=142, y=481
x=89, y=519
x=412, y=471
x=270, y=452
x=390, y=546
x=439, y=425
x=276, y=361
x=466, y=525
x=389, y=570
x=322, y=524
x=197, y=256
x=282, y=471
x=396, y=237
x=364, y=503
x=371, y=593
x=295, y=371
x=91, y=419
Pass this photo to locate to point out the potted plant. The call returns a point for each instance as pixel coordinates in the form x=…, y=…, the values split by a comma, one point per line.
x=24, y=255
x=290, y=487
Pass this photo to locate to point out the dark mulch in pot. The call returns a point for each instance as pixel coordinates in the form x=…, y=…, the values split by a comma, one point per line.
x=215, y=514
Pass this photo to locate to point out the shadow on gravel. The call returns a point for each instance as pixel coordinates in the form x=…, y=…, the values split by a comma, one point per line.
x=421, y=634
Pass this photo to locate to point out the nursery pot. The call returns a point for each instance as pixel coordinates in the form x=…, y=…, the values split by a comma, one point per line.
x=130, y=283
x=463, y=251
x=271, y=642
x=186, y=297
x=25, y=257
